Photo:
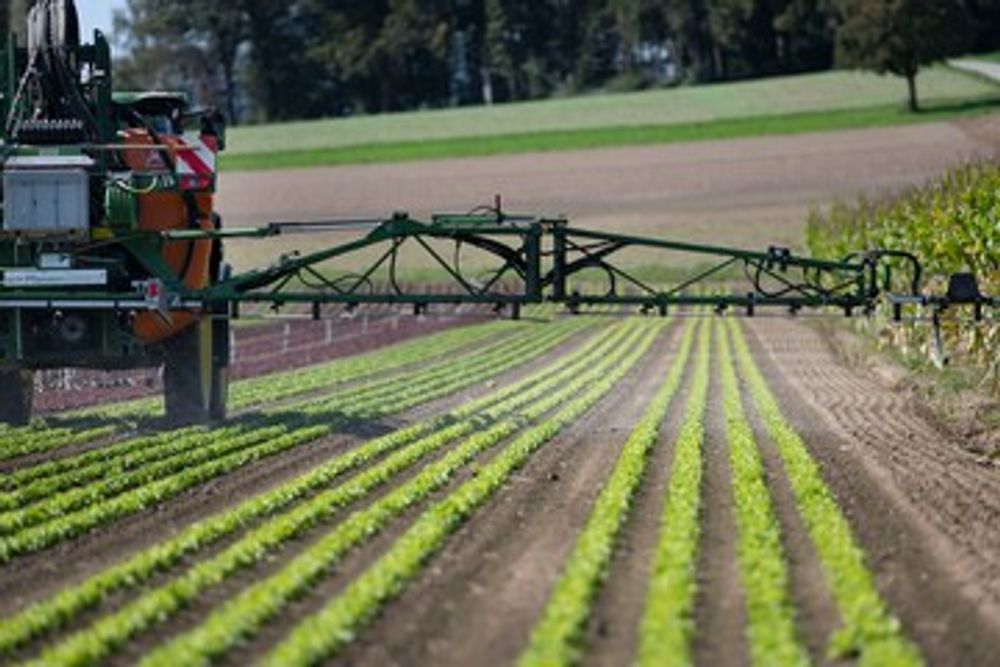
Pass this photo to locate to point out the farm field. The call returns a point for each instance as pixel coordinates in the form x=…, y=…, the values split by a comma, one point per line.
x=780, y=105
x=599, y=489
x=749, y=192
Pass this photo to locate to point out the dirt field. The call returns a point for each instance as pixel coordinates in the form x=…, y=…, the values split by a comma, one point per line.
x=265, y=347
x=922, y=510
x=425, y=504
x=754, y=192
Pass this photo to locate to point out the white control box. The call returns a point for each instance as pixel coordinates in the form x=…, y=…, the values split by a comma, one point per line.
x=47, y=195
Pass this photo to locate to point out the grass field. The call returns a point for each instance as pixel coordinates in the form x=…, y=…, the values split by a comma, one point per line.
x=832, y=100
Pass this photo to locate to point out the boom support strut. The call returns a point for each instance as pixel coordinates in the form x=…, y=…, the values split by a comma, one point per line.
x=520, y=260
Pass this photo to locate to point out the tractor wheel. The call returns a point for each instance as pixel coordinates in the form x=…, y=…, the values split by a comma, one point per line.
x=220, y=369
x=17, y=392
x=220, y=394
x=188, y=375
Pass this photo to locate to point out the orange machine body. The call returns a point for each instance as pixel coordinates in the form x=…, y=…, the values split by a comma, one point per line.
x=162, y=211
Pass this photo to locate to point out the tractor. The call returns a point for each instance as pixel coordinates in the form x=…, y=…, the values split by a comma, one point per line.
x=111, y=251
x=90, y=177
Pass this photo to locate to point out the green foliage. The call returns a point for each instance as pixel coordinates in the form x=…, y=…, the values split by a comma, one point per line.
x=952, y=226
x=555, y=639
x=390, y=574
x=418, y=440
x=668, y=622
x=65, y=516
x=40, y=439
x=900, y=36
x=771, y=630
x=869, y=630
x=244, y=614
x=447, y=344
x=498, y=413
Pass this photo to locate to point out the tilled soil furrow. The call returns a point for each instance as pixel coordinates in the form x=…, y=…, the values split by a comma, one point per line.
x=497, y=572
x=91, y=552
x=252, y=546
x=818, y=616
x=934, y=552
x=920, y=459
x=720, y=607
x=612, y=634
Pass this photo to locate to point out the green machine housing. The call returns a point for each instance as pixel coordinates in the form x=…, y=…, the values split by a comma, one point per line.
x=76, y=269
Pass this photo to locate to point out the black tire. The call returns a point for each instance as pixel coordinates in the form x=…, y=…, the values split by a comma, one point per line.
x=187, y=376
x=17, y=393
x=220, y=394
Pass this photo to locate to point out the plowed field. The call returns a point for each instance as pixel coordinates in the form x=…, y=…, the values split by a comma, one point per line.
x=461, y=490
x=596, y=489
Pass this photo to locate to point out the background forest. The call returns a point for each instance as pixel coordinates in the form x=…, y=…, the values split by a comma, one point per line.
x=274, y=60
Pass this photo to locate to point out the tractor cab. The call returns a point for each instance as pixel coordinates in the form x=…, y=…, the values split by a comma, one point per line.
x=163, y=112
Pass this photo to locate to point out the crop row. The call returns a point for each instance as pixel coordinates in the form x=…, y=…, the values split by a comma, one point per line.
x=38, y=440
x=449, y=343
x=771, y=627
x=145, y=460
x=555, y=639
x=667, y=625
x=130, y=454
x=193, y=450
x=49, y=615
x=41, y=439
x=313, y=422
x=19, y=479
x=325, y=632
x=869, y=629
x=45, y=479
x=160, y=603
x=133, y=453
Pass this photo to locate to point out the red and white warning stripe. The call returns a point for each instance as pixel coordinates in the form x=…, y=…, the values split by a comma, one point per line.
x=196, y=162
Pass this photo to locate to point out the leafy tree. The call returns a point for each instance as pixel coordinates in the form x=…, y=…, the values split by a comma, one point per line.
x=984, y=16
x=805, y=30
x=498, y=62
x=184, y=45
x=729, y=25
x=687, y=23
x=900, y=36
x=284, y=59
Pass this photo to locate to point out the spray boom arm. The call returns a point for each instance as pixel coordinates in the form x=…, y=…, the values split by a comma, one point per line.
x=534, y=260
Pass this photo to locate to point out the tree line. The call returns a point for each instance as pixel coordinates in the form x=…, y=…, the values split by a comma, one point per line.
x=274, y=60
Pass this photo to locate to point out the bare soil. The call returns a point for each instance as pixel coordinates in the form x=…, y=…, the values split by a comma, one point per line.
x=258, y=350
x=925, y=510
x=489, y=585
x=755, y=192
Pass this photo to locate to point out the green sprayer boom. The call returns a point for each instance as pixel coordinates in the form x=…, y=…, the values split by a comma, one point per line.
x=112, y=255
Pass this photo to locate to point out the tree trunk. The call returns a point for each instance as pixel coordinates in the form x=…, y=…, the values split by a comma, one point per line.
x=487, y=93
x=911, y=82
x=229, y=74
